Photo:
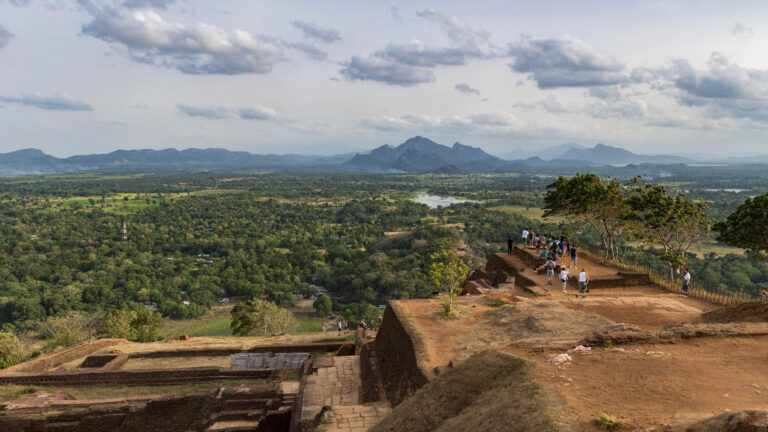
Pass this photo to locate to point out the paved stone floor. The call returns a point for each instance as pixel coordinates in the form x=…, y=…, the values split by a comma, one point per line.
x=338, y=386
x=355, y=418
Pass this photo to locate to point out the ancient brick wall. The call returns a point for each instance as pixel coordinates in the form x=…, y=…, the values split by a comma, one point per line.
x=397, y=348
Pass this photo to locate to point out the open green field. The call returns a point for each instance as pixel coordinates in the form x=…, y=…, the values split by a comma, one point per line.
x=533, y=213
x=215, y=323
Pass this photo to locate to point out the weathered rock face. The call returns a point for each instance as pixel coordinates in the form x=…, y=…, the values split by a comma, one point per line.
x=739, y=421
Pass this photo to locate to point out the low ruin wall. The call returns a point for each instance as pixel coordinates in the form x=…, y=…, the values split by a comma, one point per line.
x=213, y=352
x=56, y=359
x=498, y=263
x=194, y=412
x=138, y=377
x=397, y=347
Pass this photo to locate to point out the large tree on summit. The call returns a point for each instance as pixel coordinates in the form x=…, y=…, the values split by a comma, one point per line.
x=586, y=199
x=673, y=222
x=747, y=227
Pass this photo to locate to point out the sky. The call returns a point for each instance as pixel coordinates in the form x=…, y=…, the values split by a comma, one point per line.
x=294, y=76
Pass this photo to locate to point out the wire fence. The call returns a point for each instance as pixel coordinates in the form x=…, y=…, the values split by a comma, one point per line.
x=698, y=290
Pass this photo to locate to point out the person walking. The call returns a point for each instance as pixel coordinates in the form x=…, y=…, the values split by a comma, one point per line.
x=574, y=257
x=564, y=278
x=550, y=271
x=686, y=283
x=510, y=245
x=525, y=237
x=339, y=324
x=583, y=283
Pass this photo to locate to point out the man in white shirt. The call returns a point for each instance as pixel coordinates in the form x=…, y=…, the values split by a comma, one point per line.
x=686, y=283
x=564, y=278
x=583, y=283
x=525, y=238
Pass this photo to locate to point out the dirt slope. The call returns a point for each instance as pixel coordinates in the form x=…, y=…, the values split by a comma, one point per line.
x=489, y=392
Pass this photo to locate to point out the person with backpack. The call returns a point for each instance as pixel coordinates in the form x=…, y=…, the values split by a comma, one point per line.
x=583, y=283
x=550, y=270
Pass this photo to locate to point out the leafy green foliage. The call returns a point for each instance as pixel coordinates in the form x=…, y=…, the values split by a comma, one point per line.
x=323, y=305
x=147, y=327
x=747, y=227
x=12, y=351
x=447, y=272
x=672, y=222
x=587, y=199
x=260, y=317
x=140, y=325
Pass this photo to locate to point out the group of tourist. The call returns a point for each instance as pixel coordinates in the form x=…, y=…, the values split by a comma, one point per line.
x=552, y=248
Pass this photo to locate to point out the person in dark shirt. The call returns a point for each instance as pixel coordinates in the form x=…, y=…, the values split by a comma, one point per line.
x=574, y=257
x=510, y=245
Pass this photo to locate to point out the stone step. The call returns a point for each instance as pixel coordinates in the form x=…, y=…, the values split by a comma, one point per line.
x=233, y=426
x=244, y=415
x=245, y=404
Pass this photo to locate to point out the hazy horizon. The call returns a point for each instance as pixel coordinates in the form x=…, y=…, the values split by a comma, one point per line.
x=271, y=77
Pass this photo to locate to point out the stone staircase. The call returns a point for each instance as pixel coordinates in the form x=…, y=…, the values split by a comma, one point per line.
x=333, y=391
x=246, y=412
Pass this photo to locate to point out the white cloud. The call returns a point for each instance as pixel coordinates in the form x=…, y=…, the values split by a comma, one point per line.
x=315, y=31
x=58, y=102
x=360, y=68
x=5, y=36
x=564, y=62
x=740, y=30
x=256, y=112
x=466, y=89
x=197, y=49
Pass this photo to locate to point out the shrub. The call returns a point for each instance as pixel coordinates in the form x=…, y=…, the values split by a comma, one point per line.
x=261, y=317
x=609, y=422
x=12, y=351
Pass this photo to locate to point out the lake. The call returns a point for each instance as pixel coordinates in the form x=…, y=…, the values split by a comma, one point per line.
x=434, y=201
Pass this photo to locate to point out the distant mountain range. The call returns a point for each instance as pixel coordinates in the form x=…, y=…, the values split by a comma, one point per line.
x=420, y=154
x=601, y=154
x=416, y=155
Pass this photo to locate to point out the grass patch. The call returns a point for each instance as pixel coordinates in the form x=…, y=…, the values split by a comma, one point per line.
x=495, y=302
x=333, y=339
x=609, y=422
x=213, y=323
x=534, y=213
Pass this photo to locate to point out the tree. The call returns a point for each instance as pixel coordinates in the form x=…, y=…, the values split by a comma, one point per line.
x=147, y=326
x=70, y=330
x=747, y=227
x=672, y=222
x=586, y=199
x=12, y=351
x=261, y=317
x=447, y=272
x=117, y=325
x=323, y=305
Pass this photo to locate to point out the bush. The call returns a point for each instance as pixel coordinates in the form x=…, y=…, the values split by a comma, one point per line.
x=262, y=318
x=609, y=422
x=12, y=351
x=136, y=326
x=323, y=305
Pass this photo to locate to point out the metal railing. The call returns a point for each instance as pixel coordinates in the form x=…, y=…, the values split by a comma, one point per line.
x=697, y=290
